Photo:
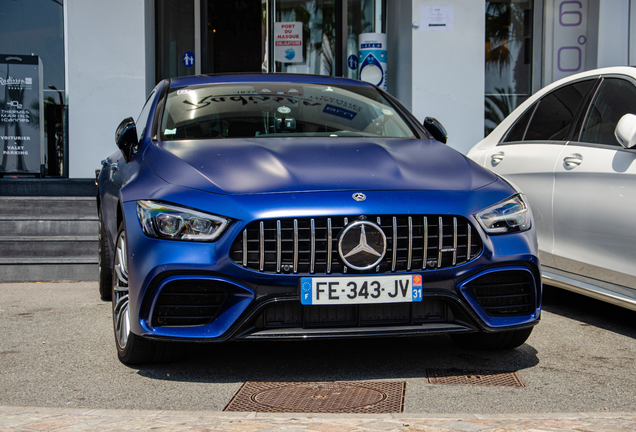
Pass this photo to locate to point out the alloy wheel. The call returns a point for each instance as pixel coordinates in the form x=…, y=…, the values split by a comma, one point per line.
x=121, y=313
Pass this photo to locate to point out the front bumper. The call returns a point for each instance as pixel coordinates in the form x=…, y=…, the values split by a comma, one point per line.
x=256, y=305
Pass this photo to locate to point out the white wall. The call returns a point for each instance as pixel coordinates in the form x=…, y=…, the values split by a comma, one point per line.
x=448, y=71
x=106, y=76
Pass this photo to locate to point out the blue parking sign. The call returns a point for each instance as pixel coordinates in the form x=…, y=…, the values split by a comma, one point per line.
x=352, y=61
x=188, y=59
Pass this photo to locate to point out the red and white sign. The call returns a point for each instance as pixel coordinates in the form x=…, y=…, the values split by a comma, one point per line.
x=288, y=42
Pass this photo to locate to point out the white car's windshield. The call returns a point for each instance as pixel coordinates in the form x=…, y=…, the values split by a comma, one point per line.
x=251, y=110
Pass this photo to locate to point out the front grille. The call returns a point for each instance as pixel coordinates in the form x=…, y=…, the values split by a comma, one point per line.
x=505, y=293
x=310, y=245
x=293, y=314
x=188, y=303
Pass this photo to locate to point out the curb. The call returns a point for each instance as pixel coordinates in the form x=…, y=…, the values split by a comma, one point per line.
x=70, y=419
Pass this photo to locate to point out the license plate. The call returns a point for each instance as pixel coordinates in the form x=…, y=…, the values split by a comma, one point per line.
x=361, y=290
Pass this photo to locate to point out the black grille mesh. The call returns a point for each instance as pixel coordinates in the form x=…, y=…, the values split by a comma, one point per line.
x=293, y=314
x=188, y=303
x=505, y=293
x=303, y=246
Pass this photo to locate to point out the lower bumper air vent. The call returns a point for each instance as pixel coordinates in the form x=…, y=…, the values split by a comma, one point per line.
x=505, y=293
x=293, y=314
x=188, y=303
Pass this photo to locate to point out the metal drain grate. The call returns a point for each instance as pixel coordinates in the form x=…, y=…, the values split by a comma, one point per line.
x=466, y=377
x=319, y=397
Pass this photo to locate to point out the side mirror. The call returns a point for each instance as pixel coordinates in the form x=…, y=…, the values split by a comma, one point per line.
x=625, y=131
x=126, y=137
x=435, y=128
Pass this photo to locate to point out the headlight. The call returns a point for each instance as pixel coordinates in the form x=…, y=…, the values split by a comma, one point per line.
x=167, y=221
x=511, y=215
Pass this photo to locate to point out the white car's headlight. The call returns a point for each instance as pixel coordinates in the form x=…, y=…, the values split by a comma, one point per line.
x=511, y=215
x=167, y=221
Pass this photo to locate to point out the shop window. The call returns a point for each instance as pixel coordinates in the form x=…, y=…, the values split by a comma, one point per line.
x=37, y=27
x=294, y=36
x=363, y=16
x=317, y=37
x=508, y=58
x=615, y=98
x=236, y=35
x=174, y=38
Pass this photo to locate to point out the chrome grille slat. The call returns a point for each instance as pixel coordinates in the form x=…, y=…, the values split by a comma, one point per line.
x=410, y=250
x=278, y=246
x=425, y=244
x=440, y=234
x=244, y=248
x=394, y=245
x=261, y=247
x=306, y=245
x=468, y=240
x=312, y=261
x=454, y=241
x=295, y=246
x=329, y=246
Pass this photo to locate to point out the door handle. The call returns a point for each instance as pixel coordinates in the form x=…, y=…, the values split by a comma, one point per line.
x=573, y=160
x=497, y=157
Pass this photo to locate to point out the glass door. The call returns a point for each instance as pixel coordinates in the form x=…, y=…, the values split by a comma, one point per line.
x=235, y=36
x=363, y=16
x=509, y=58
x=295, y=36
x=36, y=27
x=174, y=39
x=305, y=37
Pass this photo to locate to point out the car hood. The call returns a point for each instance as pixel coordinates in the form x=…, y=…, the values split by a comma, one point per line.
x=269, y=165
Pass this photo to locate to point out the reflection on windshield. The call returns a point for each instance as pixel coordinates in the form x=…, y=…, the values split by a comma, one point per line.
x=279, y=109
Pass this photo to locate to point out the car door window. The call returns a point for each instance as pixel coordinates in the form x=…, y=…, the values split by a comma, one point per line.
x=615, y=98
x=556, y=112
x=143, y=117
x=518, y=130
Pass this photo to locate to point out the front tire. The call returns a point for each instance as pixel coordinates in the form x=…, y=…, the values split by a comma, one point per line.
x=105, y=272
x=492, y=341
x=132, y=349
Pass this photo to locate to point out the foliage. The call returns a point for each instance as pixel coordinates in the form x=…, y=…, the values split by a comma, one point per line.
x=498, y=107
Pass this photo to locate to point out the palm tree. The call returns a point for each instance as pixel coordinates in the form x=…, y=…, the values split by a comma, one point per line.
x=505, y=25
x=498, y=107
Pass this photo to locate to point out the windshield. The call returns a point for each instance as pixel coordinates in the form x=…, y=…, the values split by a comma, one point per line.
x=249, y=110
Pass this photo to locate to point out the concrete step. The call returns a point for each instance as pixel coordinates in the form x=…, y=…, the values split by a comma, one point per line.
x=33, y=271
x=48, y=238
x=48, y=207
x=48, y=246
x=52, y=261
x=52, y=227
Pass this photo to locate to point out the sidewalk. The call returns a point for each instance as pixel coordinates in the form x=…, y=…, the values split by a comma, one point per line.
x=59, y=419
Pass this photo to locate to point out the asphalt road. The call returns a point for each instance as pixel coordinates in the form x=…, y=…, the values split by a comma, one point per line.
x=57, y=350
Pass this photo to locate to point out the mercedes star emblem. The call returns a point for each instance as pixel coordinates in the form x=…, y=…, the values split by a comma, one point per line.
x=358, y=196
x=362, y=245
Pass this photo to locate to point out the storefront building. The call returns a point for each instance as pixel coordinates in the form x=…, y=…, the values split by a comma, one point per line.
x=466, y=62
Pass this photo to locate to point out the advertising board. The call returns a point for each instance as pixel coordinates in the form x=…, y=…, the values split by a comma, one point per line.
x=21, y=115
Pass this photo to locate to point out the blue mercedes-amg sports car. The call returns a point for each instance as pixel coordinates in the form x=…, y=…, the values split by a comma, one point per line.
x=298, y=207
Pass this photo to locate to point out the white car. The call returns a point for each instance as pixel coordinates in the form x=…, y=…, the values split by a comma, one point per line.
x=571, y=149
